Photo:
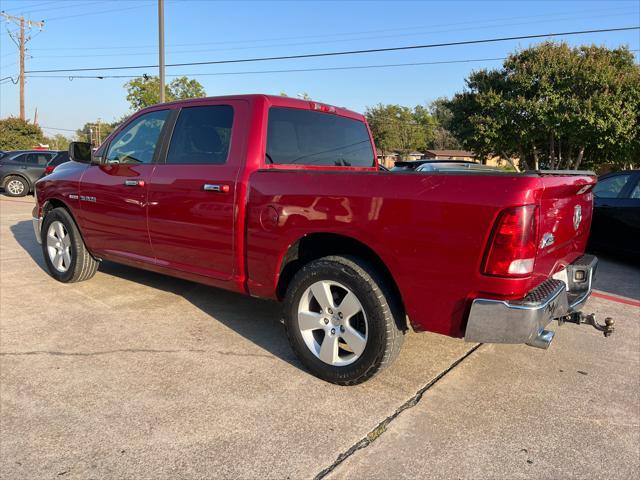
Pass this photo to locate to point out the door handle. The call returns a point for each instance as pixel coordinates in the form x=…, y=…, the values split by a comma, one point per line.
x=211, y=187
x=134, y=183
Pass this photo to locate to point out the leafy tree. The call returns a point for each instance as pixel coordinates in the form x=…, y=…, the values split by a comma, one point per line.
x=442, y=137
x=57, y=142
x=145, y=91
x=553, y=106
x=96, y=132
x=17, y=134
x=395, y=127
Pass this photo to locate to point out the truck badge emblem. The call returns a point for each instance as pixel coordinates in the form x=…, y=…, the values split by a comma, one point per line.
x=547, y=240
x=577, y=216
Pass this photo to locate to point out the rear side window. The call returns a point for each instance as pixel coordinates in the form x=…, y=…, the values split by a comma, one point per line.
x=39, y=159
x=201, y=135
x=59, y=158
x=20, y=158
x=612, y=186
x=635, y=193
x=305, y=137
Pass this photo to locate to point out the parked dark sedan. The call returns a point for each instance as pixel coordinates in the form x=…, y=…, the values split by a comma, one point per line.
x=616, y=217
x=20, y=170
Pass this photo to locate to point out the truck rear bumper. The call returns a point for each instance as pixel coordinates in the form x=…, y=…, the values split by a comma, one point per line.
x=524, y=321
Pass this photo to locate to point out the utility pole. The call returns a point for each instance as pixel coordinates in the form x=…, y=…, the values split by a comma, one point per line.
x=99, y=134
x=22, y=40
x=161, y=46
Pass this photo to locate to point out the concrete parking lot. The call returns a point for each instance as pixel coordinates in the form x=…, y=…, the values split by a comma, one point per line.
x=137, y=375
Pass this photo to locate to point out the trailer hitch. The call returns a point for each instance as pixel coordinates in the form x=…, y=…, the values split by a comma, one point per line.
x=579, y=318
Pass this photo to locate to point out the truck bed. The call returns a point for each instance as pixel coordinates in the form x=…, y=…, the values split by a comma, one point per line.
x=430, y=230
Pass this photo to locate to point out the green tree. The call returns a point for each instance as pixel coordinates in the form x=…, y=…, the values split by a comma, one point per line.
x=57, y=142
x=96, y=132
x=17, y=134
x=442, y=137
x=553, y=106
x=145, y=91
x=395, y=127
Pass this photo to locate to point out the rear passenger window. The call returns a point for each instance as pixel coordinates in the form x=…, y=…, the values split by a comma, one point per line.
x=305, y=137
x=612, y=186
x=20, y=158
x=201, y=135
x=39, y=159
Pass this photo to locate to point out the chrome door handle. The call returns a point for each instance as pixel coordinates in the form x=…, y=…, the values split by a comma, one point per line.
x=134, y=183
x=211, y=187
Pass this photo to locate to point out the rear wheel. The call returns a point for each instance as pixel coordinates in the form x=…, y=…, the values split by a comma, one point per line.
x=341, y=320
x=15, y=186
x=65, y=253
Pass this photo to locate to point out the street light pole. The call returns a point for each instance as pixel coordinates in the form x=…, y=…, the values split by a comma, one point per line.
x=161, y=46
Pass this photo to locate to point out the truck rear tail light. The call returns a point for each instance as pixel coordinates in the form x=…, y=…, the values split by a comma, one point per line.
x=513, y=245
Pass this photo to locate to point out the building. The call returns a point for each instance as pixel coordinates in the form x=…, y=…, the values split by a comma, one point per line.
x=388, y=159
x=450, y=155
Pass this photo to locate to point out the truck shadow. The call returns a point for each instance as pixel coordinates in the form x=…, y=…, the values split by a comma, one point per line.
x=256, y=320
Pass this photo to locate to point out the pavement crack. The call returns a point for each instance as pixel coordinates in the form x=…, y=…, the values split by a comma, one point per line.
x=91, y=354
x=374, y=434
x=236, y=354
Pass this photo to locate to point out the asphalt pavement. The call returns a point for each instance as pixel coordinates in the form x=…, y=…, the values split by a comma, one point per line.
x=138, y=375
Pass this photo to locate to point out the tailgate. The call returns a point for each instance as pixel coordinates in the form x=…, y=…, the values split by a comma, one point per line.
x=566, y=207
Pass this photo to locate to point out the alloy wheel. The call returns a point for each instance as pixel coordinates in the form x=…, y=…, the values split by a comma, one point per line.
x=15, y=187
x=59, y=246
x=332, y=323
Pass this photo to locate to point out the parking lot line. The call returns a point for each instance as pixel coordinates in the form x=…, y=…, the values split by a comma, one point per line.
x=612, y=298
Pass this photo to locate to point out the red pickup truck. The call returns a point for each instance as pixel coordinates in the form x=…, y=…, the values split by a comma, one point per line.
x=284, y=199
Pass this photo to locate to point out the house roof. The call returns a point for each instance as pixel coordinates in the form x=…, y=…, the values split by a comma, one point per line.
x=451, y=153
x=387, y=153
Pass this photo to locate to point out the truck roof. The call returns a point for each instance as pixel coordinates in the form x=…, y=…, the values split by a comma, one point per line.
x=272, y=100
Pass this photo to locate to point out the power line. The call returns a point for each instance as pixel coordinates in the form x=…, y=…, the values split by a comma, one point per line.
x=319, y=69
x=31, y=11
x=404, y=28
x=342, y=53
x=32, y=6
x=262, y=45
x=55, y=128
x=293, y=70
x=62, y=17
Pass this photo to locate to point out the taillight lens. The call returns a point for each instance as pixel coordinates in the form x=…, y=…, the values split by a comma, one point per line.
x=49, y=169
x=513, y=245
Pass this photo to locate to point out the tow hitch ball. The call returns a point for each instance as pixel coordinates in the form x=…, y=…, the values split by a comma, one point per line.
x=579, y=318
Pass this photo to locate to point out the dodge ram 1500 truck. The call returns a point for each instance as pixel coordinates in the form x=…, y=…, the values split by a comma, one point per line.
x=284, y=199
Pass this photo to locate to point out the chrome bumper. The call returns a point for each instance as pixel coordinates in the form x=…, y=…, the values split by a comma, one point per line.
x=37, y=225
x=524, y=321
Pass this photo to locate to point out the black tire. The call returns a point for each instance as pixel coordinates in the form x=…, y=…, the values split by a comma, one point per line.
x=385, y=318
x=16, y=186
x=82, y=266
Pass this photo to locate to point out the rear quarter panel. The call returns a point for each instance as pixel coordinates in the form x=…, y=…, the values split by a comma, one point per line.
x=430, y=230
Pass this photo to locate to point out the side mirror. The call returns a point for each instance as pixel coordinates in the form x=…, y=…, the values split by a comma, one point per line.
x=80, y=152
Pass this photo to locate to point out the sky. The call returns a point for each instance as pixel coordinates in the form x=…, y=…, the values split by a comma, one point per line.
x=104, y=33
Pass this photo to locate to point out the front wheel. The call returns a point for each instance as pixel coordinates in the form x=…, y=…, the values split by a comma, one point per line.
x=342, y=320
x=65, y=253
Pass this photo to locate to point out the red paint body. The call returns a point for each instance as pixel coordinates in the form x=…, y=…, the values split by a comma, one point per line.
x=429, y=229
